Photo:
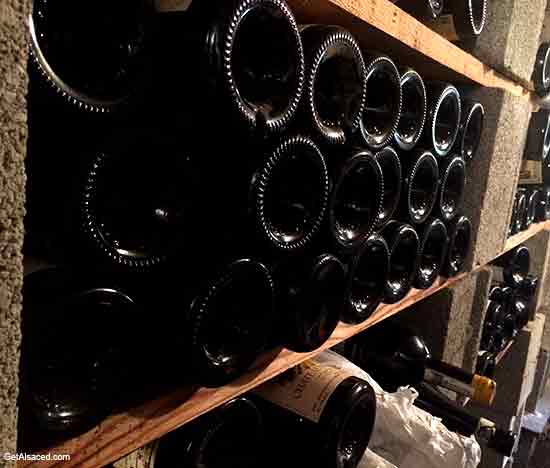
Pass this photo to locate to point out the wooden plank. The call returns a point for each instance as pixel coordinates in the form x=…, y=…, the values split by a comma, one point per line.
x=380, y=25
x=500, y=356
x=125, y=432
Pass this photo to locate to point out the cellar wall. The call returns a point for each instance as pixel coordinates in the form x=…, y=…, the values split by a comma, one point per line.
x=13, y=136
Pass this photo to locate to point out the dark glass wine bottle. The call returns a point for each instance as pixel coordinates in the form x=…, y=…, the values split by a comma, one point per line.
x=76, y=350
x=125, y=203
x=512, y=267
x=383, y=101
x=541, y=71
x=460, y=239
x=457, y=419
x=461, y=21
x=452, y=182
x=229, y=321
x=420, y=186
x=486, y=364
x=537, y=145
x=310, y=300
x=99, y=61
x=396, y=357
x=433, y=249
x=241, y=78
x=443, y=121
x=367, y=277
x=327, y=414
x=533, y=201
x=356, y=200
x=392, y=178
x=413, y=110
x=335, y=83
x=272, y=201
x=543, y=208
x=421, y=9
x=518, y=212
x=232, y=435
x=404, y=246
x=471, y=129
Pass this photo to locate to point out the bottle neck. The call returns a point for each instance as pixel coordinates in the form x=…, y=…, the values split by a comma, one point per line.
x=476, y=387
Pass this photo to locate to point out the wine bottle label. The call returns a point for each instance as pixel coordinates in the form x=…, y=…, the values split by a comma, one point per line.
x=172, y=5
x=143, y=457
x=530, y=172
x=304, y=389
x=447, y=382
x=444, y=26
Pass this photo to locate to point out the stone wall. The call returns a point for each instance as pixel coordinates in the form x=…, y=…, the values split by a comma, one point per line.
x=13, y=138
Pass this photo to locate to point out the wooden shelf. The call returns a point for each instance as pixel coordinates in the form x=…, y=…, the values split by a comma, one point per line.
x=122, y=433
x=500, y=356
x=380, y=25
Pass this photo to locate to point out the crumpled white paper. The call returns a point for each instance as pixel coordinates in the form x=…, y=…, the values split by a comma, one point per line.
x=372, y=460
x=405, y=435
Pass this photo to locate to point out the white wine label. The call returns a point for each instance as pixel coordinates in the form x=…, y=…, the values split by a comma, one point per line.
x=172, y=5
x=143, y=457
x=445, y=26
x=449, y=383
x=304, y=389
x=530, y=172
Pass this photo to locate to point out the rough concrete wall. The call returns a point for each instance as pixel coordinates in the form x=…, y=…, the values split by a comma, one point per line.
x=13, y=139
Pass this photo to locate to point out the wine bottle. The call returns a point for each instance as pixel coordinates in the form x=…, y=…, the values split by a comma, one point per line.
x=404, y=246
x=471, y=129
x=452, y=182
x=460, y=239
x=328, y=414
x=520, y=205
x=229, y=320
x=232, y=435
x=512, y=267
x=310, y=300
x=383, y=101
x=392, y=177
x=367, y=277
x=124, y=204
x=413, y=110
x=396, y=357
x=335, y=83
x=443, y=120
x=537, y=145
x=541, y=71
x=95, y=72
x=420, y=186
x=461, y=21
x=242, y=80
x=433, y=249
x=76, y=350
x=270, y=202
x=457, y=419
x=355, y=201
x=543, y=208
x=533, y=200
x=422, y=9
x=486, y=364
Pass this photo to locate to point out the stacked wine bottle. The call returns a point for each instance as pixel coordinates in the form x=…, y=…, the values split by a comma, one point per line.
x=459, y=21
x=532, y=199
x=199, y=187
x=511, y=302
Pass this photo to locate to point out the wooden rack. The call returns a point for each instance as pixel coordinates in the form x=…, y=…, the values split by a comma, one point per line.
x=376, y=24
